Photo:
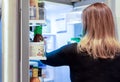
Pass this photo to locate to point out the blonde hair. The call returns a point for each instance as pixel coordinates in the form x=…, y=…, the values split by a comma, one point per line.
x=99, y=40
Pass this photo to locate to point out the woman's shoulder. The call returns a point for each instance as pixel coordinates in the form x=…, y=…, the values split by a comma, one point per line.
x=72, y=46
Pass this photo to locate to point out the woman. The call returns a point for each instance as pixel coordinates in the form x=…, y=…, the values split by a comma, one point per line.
x=96, y=58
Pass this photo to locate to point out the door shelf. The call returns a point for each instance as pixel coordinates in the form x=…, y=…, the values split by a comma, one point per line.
x=32, y=22
x=37, y=58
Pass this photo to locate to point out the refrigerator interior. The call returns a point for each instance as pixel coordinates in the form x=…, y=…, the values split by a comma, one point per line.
x=59, y=34
x=53, y=34
x=56, y=14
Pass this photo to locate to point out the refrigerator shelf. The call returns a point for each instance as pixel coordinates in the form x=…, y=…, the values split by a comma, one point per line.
x=37, y=22
x=37, y=58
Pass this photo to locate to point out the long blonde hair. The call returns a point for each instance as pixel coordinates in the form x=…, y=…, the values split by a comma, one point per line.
x=99, y=40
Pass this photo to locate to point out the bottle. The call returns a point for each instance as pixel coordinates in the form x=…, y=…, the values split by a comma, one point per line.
x=41, y=11
x=38, y=34
x=34, y=10
x=40, y=74
x=35, y=77
x=30, y=71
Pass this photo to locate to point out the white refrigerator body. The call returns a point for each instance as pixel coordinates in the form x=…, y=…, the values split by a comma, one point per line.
x=10, y=41
x=15, y=37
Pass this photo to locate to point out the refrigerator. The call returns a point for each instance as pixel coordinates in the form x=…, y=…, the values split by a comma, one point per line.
x=53, y=31
x=15, y=38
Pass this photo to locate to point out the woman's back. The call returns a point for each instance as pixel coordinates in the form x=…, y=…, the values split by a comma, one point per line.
x=87, y=69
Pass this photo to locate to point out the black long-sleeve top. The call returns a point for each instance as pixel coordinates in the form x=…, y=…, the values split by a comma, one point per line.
x=84, y=68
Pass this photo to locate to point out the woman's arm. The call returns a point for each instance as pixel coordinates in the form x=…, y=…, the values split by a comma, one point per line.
x=60, y=56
